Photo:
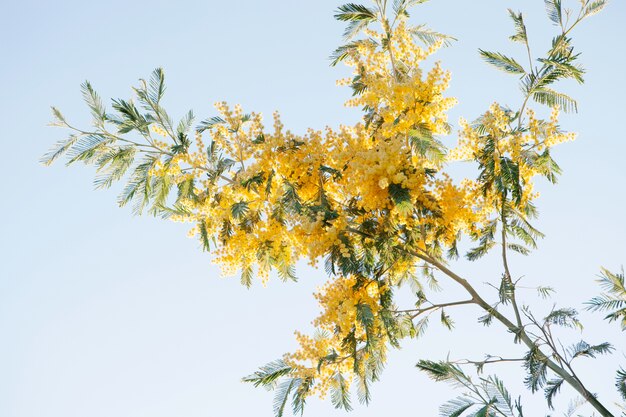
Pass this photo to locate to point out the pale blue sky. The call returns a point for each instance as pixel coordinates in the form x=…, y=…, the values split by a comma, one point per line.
x=103, y=314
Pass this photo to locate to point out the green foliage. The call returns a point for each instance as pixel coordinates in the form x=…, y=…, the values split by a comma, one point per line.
x=400, y=7
x=298, y=401
x=553, y=98
x=559, y=62
x=357, y=15
x=282, y=396
x=455, y=407
x=565, y=317
x=117, y=156
x=613, y=300
x=545, y=292
x=583, y=348
x=441, y=371
x=430, y=37
x=94, y=102
x=340, y=394
x=209, y=123
x=620, y=382
x=506, y=292
x=156, y=86
x=486, y=239
x=112, y=165
x=268, y=374
x=555, y=11
x=343, y=51
x=354, y=12
x=520, y=28
x=60, y=148
x=552, y=388
x=426, y=145
x=485, y=397
x=239, y=210
x=247, y=274
x=594, y=7
x=536, y=365
x=502, y=62
x=401, y=198
x=446, y=320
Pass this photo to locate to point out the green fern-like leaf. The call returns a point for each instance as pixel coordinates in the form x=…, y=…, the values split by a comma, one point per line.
x=429, y=37
x=502, y=62
x=94, y=102
x=520, y=28
x=446, y=320
x=555, y=11
x=59, y=149
x=113, y=165
x=302, y=389
x=268, y=374
x=536, y=366
x=551, y=98
x=343, y=51
x=401, y=197
x=209, y=123
x=545, y=292
x=88, y=148
x=424, y=144
x=455, y=407
x=594, y=7
x=354, y=28
x=156, y=85
x=552, y=388
x=339, y=393
x=282, y=395
x=564, y=317
x=620, y=382
x=351, y=12
x=614, y=301
x=583, y=348
x=247, y=274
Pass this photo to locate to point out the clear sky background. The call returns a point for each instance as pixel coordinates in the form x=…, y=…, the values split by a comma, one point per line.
x=103, y=314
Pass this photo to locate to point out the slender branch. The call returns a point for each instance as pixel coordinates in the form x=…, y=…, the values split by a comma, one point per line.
x=228, y=180
x=531, y=91
x=113, y=136
x=156, y=107
x=547, y=331
x=507, y=271
x=518, y=331
x=490, y=359
x=530, y=58
x=417, y=311
x=391, y=56
x=388, y=30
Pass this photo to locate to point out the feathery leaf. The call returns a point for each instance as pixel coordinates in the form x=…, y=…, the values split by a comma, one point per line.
x=502, y=62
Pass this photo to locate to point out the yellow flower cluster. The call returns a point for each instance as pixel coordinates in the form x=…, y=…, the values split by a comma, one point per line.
x=269, y=198
x=261, y=180
x=159, y=131
x=460, y=206
x=395, y=88
x=500, y=128
x=339, y=300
